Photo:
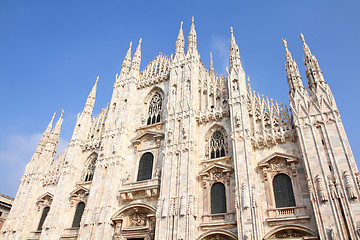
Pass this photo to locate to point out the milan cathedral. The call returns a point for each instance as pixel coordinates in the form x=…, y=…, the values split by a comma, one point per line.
x=182, y=153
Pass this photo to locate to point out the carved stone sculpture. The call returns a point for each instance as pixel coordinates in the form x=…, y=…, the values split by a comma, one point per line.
x=349, y=186
x=321, y=189
x=245, y=196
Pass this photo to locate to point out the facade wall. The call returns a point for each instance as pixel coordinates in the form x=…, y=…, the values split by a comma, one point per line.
x=261, y=139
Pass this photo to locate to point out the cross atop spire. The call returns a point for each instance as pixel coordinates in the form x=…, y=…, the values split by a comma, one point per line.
x=192, y=42
x=126, y=63
x=180, y=42
x=135, y=65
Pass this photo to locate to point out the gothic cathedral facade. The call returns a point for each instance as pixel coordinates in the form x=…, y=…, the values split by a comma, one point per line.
x=181, y=153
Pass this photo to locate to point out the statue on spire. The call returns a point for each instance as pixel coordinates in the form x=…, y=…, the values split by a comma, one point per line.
x=312, y=68
x=192, y=42
x=234, y=55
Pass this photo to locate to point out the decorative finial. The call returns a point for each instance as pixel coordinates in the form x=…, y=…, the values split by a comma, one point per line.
x=231, y=29
x=285, y=43
x=130, y=43
x=53, y=116
x=97, y=79
x=302, y=37
x=140, y=40
x=181, y=23
x=192, y=19
x=62, y=112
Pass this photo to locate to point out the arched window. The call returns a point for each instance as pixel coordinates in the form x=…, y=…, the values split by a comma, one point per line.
x=218, y=198
x=89, y=172
x=145, y=166
x=217, y=145
x=43, y=217
x=78, y=214
x=283, y=191
x=155, y=109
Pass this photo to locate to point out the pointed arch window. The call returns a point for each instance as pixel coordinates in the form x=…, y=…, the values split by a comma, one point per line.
x=43, y=217
x=218, y=198
x=155, y=110
x=78, y=214
x=217, y=145
x=145, y=166
x=283, y=191
x=90, y=169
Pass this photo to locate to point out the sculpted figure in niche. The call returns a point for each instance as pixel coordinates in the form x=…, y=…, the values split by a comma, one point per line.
x=333, y=233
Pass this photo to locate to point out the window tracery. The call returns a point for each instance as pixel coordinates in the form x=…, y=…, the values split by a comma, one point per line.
x=216, y=143
x=155, y=109
x=88, y=173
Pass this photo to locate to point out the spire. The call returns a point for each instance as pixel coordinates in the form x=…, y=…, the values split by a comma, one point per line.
x=234, y=56
x=55, y=134
x=192, y=44
x=293, y=75
x=312, y=68
x=90, y=102
x=135, y=65
x=180, y=42
x=57, y=128
x=126, y=63
x=211, y=70
x=45, y=137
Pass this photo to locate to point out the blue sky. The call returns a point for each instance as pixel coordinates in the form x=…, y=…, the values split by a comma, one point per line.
x=52, y=51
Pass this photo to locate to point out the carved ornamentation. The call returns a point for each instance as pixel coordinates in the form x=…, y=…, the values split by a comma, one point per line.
x=349, y=186
x=321, y=189
x=248, y=235
x=237, y=198
x=333, y=233
x=137, y=219
x=245, y=199
x=44, y=201
x=289, y=234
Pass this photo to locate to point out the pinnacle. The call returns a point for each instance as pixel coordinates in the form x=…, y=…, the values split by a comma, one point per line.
x=302, y=37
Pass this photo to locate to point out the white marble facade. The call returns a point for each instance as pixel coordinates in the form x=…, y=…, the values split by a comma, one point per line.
x=184, y=153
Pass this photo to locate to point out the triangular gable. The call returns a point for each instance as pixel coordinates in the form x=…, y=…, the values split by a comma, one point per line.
x=79, y=189
x=288, y=158
x=45, y=196
x=146, y=134
x=224, y=168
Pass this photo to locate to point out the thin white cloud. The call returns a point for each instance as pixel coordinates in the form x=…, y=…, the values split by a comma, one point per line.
x=15, y=153
x=220, y=49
